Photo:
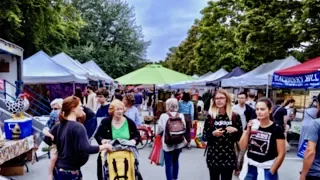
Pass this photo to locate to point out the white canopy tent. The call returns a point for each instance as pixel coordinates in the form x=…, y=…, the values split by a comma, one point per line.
x=206, y=75
x=180, y=85
x=199, y=83
x=40, y=68
x=92, y=66
x=260, y=76
x=88, y=70
x=70, y=64
x=202, y=82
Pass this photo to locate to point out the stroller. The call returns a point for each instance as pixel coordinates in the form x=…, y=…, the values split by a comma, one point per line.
x=122, y=163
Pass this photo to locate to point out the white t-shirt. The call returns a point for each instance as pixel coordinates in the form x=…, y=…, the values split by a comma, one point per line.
x=162, y=128
x=251, y=104
x=201, y=104
x=240, y=110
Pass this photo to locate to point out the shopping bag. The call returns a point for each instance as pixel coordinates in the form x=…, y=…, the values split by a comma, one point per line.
x=161, y=162
x=193, y=130
x=302, y=149
x=156, y=154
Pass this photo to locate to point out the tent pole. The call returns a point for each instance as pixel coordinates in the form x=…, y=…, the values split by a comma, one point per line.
x=267, y=87
x=304, y=103
x=154, y=109
x=74, y=87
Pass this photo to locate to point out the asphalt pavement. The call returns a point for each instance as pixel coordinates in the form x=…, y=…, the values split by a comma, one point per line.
x=192, y=167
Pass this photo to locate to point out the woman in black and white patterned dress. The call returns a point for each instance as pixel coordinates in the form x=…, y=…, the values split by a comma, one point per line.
x=222, y=129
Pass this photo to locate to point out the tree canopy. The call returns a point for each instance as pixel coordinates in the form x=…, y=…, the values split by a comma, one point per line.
x=99, y=30
x=247, y=33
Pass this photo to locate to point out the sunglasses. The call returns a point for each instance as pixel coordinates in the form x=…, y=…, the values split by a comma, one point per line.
x=54, y=109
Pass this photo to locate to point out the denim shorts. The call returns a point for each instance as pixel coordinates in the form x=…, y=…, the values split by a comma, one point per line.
x=253, y=174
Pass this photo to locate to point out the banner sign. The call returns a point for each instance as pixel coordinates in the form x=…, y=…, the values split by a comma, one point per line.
x=303, y=81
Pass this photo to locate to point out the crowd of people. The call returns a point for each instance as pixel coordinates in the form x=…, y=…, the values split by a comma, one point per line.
x=246, y=138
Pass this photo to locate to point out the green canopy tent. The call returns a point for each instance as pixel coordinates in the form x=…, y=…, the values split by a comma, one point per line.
x=153, y=74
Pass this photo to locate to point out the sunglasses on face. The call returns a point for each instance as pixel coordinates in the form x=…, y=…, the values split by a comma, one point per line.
x=54, y=109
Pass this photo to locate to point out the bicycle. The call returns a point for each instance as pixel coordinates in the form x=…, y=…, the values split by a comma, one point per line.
x=146, y=135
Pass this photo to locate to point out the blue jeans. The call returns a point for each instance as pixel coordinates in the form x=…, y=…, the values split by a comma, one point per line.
x=253, y=174
x=171, y=160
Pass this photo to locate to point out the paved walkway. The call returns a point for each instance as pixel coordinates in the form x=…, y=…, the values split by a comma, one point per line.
x=192, y=167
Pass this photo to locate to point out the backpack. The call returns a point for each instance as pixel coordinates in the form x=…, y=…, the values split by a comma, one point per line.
x=121, y=165
x=175, y=130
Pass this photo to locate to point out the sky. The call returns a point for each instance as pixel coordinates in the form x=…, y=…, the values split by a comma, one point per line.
x=165, y=22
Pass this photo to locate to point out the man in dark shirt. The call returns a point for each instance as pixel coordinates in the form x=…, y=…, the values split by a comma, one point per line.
x=102, y=95
x=117, y=94
x=279, y=113
x=206, y=98
x=90, y=122
x=138, y=99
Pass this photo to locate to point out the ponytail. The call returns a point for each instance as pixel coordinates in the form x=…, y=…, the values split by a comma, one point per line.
x=61, y=117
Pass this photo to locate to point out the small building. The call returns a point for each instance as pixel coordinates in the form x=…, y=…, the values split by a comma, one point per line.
x=11, y=62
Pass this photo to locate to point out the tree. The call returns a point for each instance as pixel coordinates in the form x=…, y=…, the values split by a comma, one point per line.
x=308, y=29
x=183, y=58
x=49, y=25
x=248, y=33
x=118, y=44
x=265, y=33
x=217, y=44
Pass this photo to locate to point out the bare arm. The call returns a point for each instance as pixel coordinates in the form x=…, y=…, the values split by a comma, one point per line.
x=308, y=159
x=46, y=132
x=281, y=148
x=312, y=137
x=243, y=143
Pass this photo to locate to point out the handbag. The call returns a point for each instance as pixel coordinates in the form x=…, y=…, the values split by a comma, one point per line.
x=156, y=155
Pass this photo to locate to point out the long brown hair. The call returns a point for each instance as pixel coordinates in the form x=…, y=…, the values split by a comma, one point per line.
x=68, y=104
x=213, y=111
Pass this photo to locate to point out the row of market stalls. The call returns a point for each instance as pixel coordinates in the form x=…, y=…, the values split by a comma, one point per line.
x=260, y=77
x=46, y=78
x=61, y=68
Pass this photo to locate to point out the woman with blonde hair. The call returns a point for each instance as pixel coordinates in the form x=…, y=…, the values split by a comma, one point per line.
x=222, y=129
x=116, y=126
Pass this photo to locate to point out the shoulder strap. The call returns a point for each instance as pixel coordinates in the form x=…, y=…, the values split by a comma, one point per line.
x=234, y=117
x=169, y=114
x=211, y=121
x=275, y=112
x=309, y=115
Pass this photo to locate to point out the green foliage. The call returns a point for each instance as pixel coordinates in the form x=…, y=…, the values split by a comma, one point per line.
x=49, y=25
x=247, y=33
x=102, y=30
x=117, y=42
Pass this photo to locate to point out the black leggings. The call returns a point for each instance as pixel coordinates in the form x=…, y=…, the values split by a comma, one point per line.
x=99, y=167
x=219, y=172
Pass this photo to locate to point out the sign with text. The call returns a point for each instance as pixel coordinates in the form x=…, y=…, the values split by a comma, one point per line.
x=303, y=81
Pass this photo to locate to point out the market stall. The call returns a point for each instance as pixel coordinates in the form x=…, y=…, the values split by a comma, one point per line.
x=13, y=156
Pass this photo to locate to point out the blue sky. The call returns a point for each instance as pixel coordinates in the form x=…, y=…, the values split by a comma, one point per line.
x=166, y=22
